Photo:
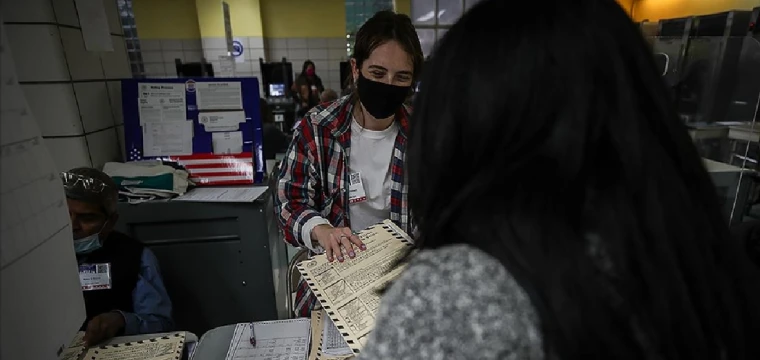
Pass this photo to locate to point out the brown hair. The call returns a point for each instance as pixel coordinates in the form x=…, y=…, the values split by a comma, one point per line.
x=385, y=26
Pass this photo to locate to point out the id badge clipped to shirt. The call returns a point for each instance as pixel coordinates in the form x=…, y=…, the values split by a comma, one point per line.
x=95, y=276
x=356, y=188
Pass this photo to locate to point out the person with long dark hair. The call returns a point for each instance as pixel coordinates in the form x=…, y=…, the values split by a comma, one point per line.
x=325, y=193
x=563, y=211
x=308, y=87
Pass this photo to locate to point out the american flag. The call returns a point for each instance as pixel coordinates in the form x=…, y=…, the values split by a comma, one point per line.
x=211, y=169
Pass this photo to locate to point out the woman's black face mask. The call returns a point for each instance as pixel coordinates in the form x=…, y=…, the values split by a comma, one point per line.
x=380, y=99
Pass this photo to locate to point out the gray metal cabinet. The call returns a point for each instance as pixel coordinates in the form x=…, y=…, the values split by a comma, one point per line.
x=222, y=263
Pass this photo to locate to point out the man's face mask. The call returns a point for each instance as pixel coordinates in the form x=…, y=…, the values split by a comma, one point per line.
x=380, y=99
x=87, y=244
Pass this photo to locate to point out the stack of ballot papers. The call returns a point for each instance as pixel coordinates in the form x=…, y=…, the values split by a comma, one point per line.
x=164, y=347
x=327, y=343
x=275, y=340
x=349, y=290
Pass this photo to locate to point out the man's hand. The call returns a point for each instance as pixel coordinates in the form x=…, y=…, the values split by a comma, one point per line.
x=333, y=239
x=103, y=327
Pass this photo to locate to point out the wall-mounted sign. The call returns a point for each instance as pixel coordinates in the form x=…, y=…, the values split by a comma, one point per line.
x=237, y=51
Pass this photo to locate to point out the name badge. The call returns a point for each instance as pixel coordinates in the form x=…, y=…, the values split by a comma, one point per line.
x=95, y=276
x=356, y=188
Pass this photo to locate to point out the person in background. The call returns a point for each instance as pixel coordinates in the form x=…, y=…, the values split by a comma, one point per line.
x=314, y=208
x=329, y=95
x=308, y=87
x=275, y=141
x=580, y=222
x=133, y=299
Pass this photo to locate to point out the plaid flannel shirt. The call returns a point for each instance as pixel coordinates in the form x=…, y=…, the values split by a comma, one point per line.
x=312, y=180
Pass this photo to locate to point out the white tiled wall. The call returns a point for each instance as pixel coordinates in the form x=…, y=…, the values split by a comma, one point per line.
x=74, y=94
x=253, y=49
x=158, y=55
x=326, y=53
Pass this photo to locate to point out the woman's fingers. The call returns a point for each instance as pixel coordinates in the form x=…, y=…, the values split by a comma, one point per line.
x=335, y=247
x=345, y=242
x=354, y=239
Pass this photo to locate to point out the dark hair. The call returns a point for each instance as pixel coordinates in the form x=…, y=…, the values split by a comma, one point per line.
x=306, y=65
x=574, y=171
x=385, y=26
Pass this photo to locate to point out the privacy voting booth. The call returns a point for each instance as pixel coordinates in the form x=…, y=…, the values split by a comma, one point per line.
x=220, y=260
x=210, y=126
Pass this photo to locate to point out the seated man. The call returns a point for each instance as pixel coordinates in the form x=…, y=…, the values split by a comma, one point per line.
x=123, y=290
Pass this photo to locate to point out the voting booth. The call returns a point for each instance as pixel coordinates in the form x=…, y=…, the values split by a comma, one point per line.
x=209, y=126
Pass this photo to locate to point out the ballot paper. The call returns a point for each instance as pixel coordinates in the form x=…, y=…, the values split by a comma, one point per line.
x=275, y=340
x=333, y=342
x=322, y=347
x=348, y=291
x=75, y=349
x=167, y=347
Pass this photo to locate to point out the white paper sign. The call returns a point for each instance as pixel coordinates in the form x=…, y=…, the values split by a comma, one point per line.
x=161, y=102
x=167, y=139
x=221, y=120
x=223, y=95
x=227, y=142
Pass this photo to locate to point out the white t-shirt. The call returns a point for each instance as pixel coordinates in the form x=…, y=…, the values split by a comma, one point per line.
x=371, y=155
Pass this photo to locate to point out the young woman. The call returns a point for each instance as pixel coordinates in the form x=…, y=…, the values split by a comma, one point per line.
x=344, y=170
x=308, y=87
x=581, y=223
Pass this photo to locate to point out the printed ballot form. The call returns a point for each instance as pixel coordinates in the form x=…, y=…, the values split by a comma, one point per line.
x=327, y=343
x=168, y=347
x=348, y=290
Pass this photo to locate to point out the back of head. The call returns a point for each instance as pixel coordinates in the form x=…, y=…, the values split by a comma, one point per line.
x=574, y=170
x=329, y=95
x=91, y=186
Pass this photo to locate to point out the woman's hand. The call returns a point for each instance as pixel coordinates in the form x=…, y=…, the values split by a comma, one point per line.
x=335, y=240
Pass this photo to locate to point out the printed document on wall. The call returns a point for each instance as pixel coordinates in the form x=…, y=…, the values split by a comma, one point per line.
x=168, y=139
x=221, y=120
x=223, y=95
x=37, y=259
x=161, y=102
x=227, y=142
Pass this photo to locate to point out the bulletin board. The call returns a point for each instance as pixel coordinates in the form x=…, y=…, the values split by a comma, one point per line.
x=210, y=126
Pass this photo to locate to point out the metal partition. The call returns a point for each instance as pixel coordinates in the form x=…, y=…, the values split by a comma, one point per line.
x=218, y=260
